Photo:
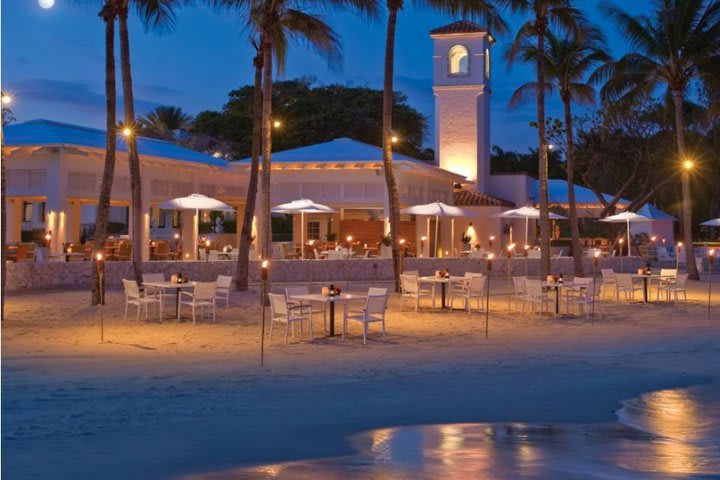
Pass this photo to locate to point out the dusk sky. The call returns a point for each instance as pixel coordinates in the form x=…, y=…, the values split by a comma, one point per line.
x=53, y=65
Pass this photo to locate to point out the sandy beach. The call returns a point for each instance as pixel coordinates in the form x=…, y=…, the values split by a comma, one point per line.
x=169, y=400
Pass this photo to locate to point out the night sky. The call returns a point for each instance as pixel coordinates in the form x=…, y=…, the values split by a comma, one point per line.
x=53, y=62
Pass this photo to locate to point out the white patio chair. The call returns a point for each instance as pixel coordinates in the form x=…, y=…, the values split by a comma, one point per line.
x=416, y=273
x=213, y=256
x=519, y=289
x=202, y=255
x=203, y=295
x=312, y=307
x=224, y=283
x=671, y=274
x=159, y=292
x=459, y=287
x=474, y=288
x=411, y=288
x=280, y=313
x=133, y=296
x=534, y=294
x=584, y=298
x=609, y=281
x=373, y=311
x=337, y=255
x=627, y=285
x=679, y=286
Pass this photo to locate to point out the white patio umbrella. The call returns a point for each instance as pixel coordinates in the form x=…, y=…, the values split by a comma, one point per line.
x=527, y=213
x=437, y=210
x=715, y=222
x=197, y=202
x=627, y=218
x=302, y=207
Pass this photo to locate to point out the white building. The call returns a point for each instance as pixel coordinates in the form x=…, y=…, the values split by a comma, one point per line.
x=54, y=172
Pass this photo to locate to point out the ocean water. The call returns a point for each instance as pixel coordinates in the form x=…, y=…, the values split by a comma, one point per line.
x=667, y=434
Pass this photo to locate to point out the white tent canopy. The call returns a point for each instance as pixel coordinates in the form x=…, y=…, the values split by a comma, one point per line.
x=436, y=209
x=627, y=218
x=302, y=207
x=712, y=223
x=527, y=213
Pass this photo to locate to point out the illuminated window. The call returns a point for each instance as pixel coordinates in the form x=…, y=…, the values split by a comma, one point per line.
x=27, y=212
x=459, y=60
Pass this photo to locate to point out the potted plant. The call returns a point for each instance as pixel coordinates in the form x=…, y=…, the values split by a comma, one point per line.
x=386, y=246
x=466, y=239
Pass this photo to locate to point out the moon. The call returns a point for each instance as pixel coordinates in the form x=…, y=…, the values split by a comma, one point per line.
x=46, y=3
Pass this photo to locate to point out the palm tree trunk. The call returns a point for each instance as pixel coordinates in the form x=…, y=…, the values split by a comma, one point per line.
x=3, y=227
x=392, y=188
x=543, y=154
x=687, y=200
x=136, y=214
x=267, y=49
x=572, y=207
x=243, y=264
x=103, y=208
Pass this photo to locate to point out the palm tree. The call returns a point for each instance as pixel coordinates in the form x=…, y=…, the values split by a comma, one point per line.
x=242, y=272
x=156, y=14
x=569, y=60
x=464, y=8
x=108, y=14
x=7, y=117
x=164, y=122
x=535, y=29
x=677, y=45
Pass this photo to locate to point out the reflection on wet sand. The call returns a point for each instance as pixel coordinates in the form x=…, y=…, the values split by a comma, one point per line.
x=661, y=435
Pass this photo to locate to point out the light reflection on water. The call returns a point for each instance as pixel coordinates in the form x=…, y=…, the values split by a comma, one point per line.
x=667, y=434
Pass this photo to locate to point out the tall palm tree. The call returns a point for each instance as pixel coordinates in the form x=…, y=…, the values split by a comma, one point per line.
x=164, y=121
x=465, y=8
x=6, y=118
x=678, y=44
x=242, y=272
x=156, y=14
x=108, y=14
x=569, y=60
x=542, y=14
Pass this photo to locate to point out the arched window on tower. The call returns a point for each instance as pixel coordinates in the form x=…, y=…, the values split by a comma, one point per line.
x=459, y=60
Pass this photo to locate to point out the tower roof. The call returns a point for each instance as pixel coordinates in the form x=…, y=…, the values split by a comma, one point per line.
x=461, y=26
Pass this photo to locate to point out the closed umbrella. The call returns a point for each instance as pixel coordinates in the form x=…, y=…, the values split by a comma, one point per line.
x=302, y=207
x=196, y=202
x=627, y=218
x=527, y=213
x=437, y=210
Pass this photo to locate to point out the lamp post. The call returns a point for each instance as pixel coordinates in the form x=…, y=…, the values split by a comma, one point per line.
x=423, y=239
x=711, y=260
x=527, y=249
x=509, y=252
x=100, y=262
x=621, y=241
x=349, y=244
x=595, y=263
x=488, y=268
x=207, y=250
x=490, y=242
x=263, y=293
x=177, y=244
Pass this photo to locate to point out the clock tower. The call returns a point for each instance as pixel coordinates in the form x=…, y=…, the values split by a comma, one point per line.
x=461, y=86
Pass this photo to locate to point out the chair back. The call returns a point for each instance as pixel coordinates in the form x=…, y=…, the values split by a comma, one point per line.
x=163, y=248
x=478, y=283
x=409, y=283
x=366, y=254
x=131, y=288
x=582, y=281
x=213, y=256
x=608, y=274
x=223, y=281
x=125, y=251
x=278, y=305
x=204, y=290
x=415, y=273
x=376, y=302
x=624, y=280
x=668, y=272
x=317, y=254
x=336, y=255
x=533, y=288
x=153, y=277
x=298, y=290
x=519, y=284
x=681, y=280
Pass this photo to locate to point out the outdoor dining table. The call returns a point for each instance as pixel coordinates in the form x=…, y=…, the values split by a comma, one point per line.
x=646, y=280
x=331, y=301
x=172, y=286
x=557, y=286
x=443, y=281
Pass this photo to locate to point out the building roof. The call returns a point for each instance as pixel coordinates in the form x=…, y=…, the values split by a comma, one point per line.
x=651, y=211
x=50, y=133
x=461, y=26
x=558, y=193
x=473, y=198
x=335, y=151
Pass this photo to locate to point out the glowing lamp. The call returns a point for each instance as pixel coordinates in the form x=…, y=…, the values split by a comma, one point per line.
x=394, y=139
x=423, y=238
x=349, y=238
x=277, y=124
x=177, y=236
x=264, y=270
x=688, y=165
x=99, y=256
x=6, y=99
x=127, y=131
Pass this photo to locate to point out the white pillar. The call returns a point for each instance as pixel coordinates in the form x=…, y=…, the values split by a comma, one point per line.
x=145, y=233
x=189, y=235
x=56, y=209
